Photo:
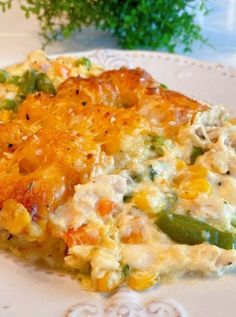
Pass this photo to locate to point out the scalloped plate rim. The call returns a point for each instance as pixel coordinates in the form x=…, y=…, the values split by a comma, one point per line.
x=154, y=54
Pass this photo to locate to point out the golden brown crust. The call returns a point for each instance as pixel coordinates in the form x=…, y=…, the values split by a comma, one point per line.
x=54, y=141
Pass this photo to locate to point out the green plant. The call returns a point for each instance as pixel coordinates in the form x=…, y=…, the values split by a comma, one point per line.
x=135, y=23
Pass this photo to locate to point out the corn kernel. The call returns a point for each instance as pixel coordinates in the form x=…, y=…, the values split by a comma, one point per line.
x=149, y=201
x=180, y=164
x=111, y=147
x=14, y=217
x=190, y=173
x=140, y=281
x=191, y=189
x=136, y=236
x=197, y=171
x=109, y=281
x=5, y=115
x=142, y=202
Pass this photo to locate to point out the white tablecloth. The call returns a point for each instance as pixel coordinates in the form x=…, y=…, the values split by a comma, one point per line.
x=19, y=35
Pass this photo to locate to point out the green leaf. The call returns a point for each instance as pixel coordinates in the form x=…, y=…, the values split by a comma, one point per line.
x=152, y=24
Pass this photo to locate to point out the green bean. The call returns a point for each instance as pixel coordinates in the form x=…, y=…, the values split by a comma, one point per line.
x=43, y=83
x=3, y=76
x=187, y=230
x=15, y=80
x=28, y=83
x=8, y=104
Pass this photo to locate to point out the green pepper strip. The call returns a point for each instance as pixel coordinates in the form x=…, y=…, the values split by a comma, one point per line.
x=187, y=230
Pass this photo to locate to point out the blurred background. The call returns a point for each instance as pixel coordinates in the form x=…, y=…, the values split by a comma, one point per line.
x=19, y=35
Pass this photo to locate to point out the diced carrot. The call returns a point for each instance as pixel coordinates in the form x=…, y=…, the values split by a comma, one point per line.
x=105, y=206
x=110, y=281
x=60, y=70
x=88, y=235
x=135, y=236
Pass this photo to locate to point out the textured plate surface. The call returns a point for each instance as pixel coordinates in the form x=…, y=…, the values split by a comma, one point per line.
x=29, y=291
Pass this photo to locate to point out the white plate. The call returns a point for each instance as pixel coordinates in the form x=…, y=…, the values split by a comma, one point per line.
x=27, y=291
